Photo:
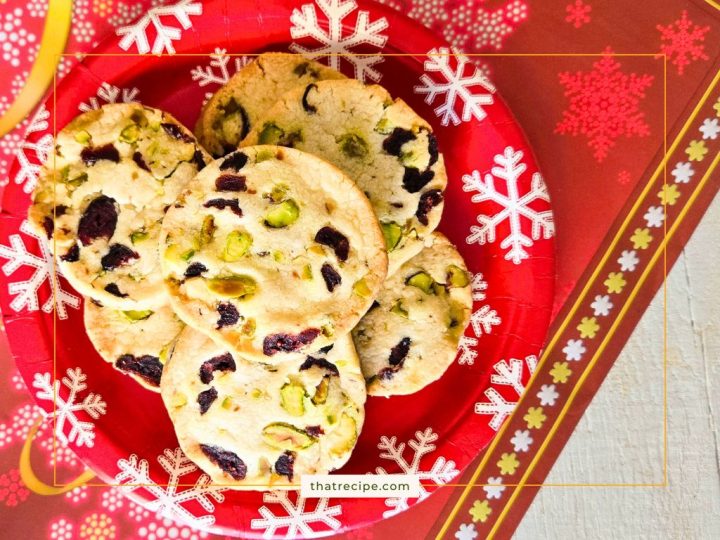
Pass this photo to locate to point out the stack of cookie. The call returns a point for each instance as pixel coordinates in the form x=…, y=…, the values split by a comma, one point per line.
x=266, y=292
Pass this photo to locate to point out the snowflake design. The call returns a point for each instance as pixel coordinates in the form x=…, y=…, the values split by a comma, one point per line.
x=710, y=128
x=109, y=93
x=466, y=347
x=482, y=319
x=97, y=526
x=218, y=71
x=521, y=440
x=12, y=488
x=604, y=104
x=82, y=433
x=56, y=452
x=655, y=216
x=623, y=177
x=602, y=305
x=494, y=487
x=31, y=154
x=333, y=44
x=112, y=499
x=578, y=13
x=430, y=13
x=477, y=27
x=683, y=172
x=441, y=471
x=466, y=531
x=83, y=31
x=20, y=423
x=682, y=42
x=14, y=38
x=574, y=350
x=295, y=518
x=548, y=394
x=472, y=88
x=507, y=374
x=137, y=33
x=628, y=261
x=60, y=529
x=167, y=501
x=26, y=292
x=515, y=206
x=77, y=494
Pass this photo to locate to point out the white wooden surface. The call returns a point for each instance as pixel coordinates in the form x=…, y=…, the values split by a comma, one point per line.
x=619, y=440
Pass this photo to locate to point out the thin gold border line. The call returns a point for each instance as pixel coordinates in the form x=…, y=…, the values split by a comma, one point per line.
x=582, y=296
x=55, y=278
x=626, y=306
x=531, y=55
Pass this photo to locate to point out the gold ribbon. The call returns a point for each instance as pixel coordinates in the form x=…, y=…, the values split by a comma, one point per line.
x=55, y=34
x=33, y=483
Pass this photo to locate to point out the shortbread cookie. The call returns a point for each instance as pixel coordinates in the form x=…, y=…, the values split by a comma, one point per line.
x=272, y=253
x=134, y=342
x=233, y=110
x=410, y=337
x=256, y=426
x=382, y=144
x=101, y=197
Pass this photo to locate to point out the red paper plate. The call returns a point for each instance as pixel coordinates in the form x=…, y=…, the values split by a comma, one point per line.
x=497, y=212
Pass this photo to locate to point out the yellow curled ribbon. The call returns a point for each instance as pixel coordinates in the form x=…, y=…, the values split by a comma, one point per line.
x=55, y=35
x=32, y=482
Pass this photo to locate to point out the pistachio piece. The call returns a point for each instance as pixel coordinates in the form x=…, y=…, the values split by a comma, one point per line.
x=130, y=134
x=321, y=391
x=236, y=286
x=392, y=232
x=237, y=245
x=136, y=315
x=456, y=276
x=83, y=137
x=207, y=230
x=291, y=398
x=282, y=215
x=361, y=288
x=307, y=272
x=178, y=400
x=423, y=281
x=342, y=439
x=138, y=236
x=270, y=134
x=353, y=145
x=398, y=309
x=287, y=437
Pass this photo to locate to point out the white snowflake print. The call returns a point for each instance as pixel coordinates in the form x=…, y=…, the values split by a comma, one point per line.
x=14, y=38
x=506, y=374
x=479, y=287
x=441, y=471
x=483, y=320
x=137, y=33
x=515, y=206
x=25, y=292
x=655, y=216
x=221, y=67
x=548, y=394
x=67, y=406
x=109, y=93
x=295, y=518
x=521, y=440
x=628, y=261
x=464, y=83
x=683, y=172
x=17, y=429
x=710, y=128
x=601, y=305
x=574, y=350
x=31, y=154
x=334, y=46
x=494, y=488
x=467, y=352
x=466, y=531
x=168, y=500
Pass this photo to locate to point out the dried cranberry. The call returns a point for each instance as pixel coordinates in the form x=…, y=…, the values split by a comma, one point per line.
x=287, y=342
x=230, y=182
x=374, y=305
x=60, y=210
x=98, y=221
x=227, y=461
x=92, y=154
x=326, y=349
x=198, y=160
x=113, y=289
x=333, y=238
x=414, y=180
x=284, y=465
x=176, y=133
x=48, y=225
x=119, y=255
x=432, y=148
x=393, y=143
x=72, y=255
x=331, y=277
x=428, y=201
x=399, y=352
x=308, y=108
x=321, y=363
x=221, y=204
x=386, y=374
x=140, y=161
x=206, y=398
x=314, y=431
x=228, y=315
x=223, y=362
x=146, y=366
x=195, y=269
x=235, y=161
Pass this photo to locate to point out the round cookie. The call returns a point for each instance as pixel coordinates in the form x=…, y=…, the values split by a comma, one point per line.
x=382, y=144
x=134, y=342
x=234, y=109
x=102, y=195
x=272, y=252
x=256, y=426
x=410, y=337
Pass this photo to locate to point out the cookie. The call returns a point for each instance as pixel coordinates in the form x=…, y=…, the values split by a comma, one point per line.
x=134, y=342
x=255, y=426
x=382, y=144
x=272, y=252
x=410, y=336
x=101, y=197
x=234, y=109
